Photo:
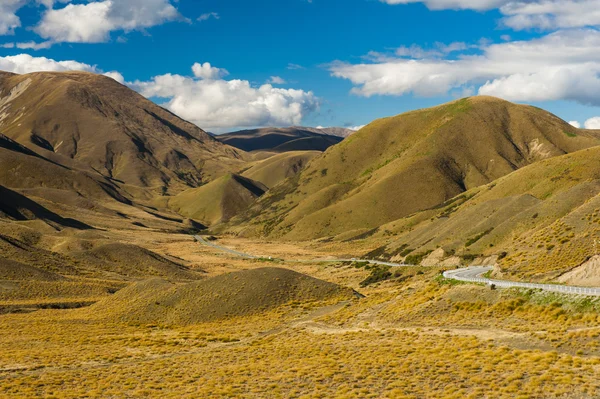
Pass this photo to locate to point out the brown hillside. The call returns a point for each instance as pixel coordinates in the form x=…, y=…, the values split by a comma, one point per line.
x=279, y=140
x=131, y=261
x=219, y=200
x=541, y=221
x=21, y=168
x=331, y=131
x=397, y=166
x=15, y=206
x=229, y=295
x=274, y=170
x=15, y=271
x=91, y=122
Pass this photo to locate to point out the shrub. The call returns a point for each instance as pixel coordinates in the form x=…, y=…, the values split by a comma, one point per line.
x=378, y=273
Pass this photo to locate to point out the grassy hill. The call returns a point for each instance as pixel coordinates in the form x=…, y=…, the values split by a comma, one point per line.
x=331, y=131
x=219, y=200
x=235, y=294
x=539, y=222
x=279, y=139
x=409, y=163
x=276, y=169
x=92, y=123
x=14, y=206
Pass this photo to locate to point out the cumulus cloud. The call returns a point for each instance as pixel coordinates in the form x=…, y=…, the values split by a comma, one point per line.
x=207, y=71
x=551, y=14
x=116, y=76
x=526, y=14
x=593, y=123
x=276, y=80
x=9, y=20
x=205, y=98
x=218, y=103
x=93, y=22
x=25, y=63
x=561, y=65
x=575, y=124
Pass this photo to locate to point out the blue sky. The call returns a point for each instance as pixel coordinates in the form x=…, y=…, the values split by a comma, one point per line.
x=323, y=62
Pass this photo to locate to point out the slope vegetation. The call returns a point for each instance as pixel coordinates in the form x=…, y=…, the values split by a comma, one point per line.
x=219, y=200
x=276, y=169
x=537, y=223
x=416, y=161
x=92, y=123
x=14, y=206
x=229, y=295
x=131, y=261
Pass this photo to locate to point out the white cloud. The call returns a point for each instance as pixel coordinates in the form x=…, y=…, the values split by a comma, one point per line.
x=562, y=65
x=116, y=76
x=206, y=71
x=551, y=14
x=356, y=128
x=526, y=14
x=24, y=63
x=209, y=15
x=34, y=45
x=593, y=123
x=9, y=21
x=454, y=4
x=293, y=67
x=211, y=103
x=276, y=80
x=218, y=103
x=93, y=22
x=414, y=51
x=575, y=124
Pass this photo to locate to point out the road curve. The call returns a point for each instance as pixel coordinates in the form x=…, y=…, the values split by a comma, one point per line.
x=471, y=274
x=474, y=274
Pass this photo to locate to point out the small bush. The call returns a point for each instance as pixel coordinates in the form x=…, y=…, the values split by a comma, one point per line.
x=378, y=273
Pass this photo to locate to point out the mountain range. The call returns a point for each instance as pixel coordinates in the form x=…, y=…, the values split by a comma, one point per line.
x=478, y=176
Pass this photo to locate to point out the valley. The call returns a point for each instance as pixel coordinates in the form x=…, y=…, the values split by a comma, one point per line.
x=142, y=257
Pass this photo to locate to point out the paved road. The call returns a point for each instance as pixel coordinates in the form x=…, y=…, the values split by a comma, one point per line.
x=474, y=274
x=202, y=240
x=471, y=274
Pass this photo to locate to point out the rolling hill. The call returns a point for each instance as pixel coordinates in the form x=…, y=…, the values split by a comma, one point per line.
x=219, y=200
x=279, y=139
x=229, y=295
x=538, y=223
x=331, y=131
x=409, y=163
x=14, y=206
x=276, y=169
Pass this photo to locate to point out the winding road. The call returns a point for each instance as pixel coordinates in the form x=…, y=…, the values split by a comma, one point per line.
x=472, y=274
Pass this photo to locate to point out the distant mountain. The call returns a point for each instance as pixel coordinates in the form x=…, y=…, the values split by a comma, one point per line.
x=279, y=139
x=331, y=131
x=409, y=163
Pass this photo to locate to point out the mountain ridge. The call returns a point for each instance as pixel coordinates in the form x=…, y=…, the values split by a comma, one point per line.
x=400, y=165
